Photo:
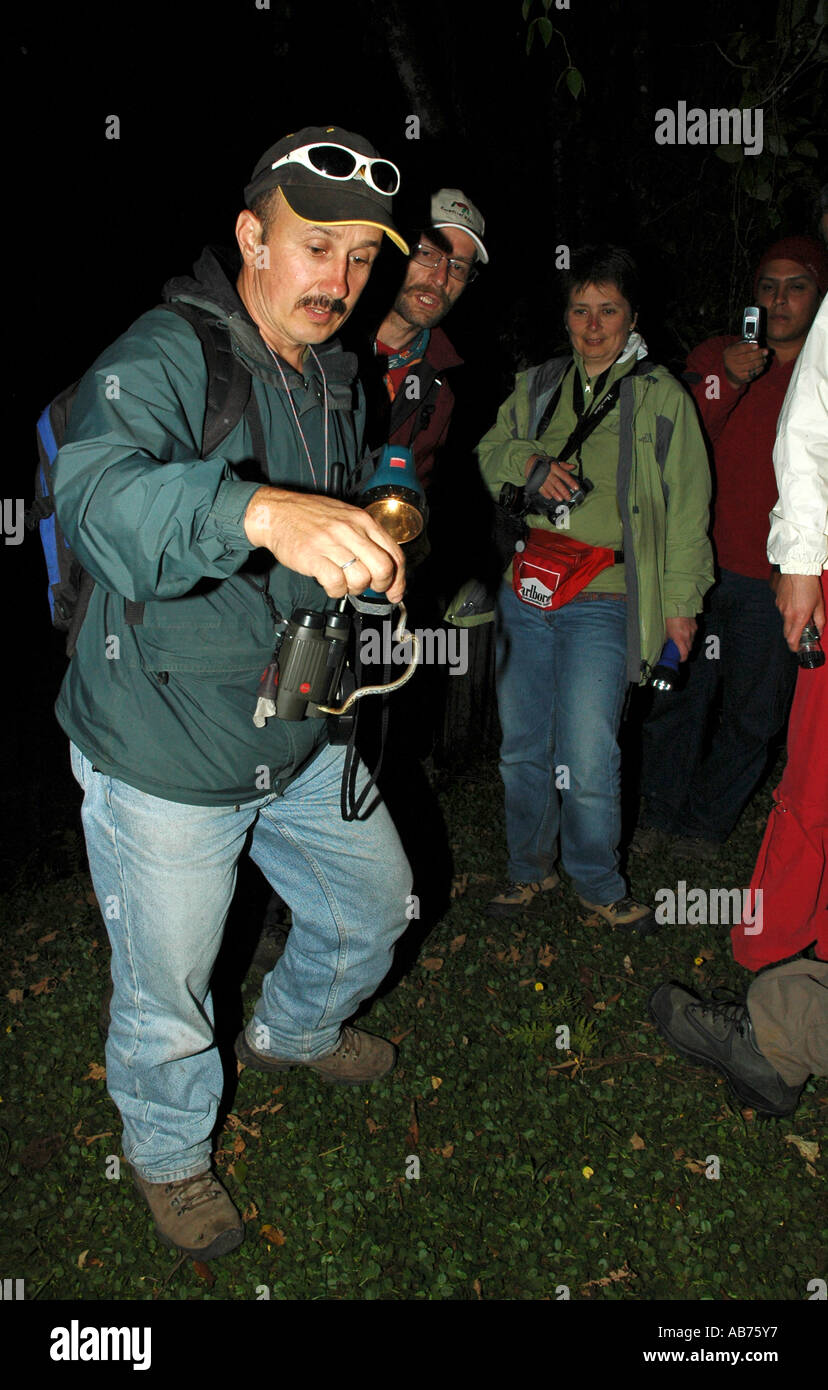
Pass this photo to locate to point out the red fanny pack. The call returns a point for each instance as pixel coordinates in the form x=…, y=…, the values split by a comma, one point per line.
x=552, y=569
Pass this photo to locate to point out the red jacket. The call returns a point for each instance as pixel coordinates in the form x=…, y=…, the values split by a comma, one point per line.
x=741, y=426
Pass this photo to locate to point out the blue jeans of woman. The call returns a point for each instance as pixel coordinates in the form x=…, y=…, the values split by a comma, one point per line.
x=561, y=684
x=164, y=875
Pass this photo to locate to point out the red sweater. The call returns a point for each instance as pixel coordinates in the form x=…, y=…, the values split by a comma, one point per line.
x=741, y=426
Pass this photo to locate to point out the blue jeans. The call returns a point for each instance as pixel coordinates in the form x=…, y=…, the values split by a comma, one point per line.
x=561, y=682
x=698, y=771
x=164, y=874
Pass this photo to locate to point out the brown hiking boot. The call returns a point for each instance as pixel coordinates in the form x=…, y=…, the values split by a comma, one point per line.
x=359, y=1057
x=194, y=1215
x=520, y=897
x=626, y=913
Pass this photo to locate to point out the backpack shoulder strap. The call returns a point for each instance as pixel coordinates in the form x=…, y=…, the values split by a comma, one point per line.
x=228, y=380
x=228, y=395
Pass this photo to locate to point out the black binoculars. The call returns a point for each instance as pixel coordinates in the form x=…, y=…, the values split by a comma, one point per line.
x=311, y=659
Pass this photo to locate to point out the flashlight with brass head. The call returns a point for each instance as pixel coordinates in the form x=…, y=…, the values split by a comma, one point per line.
x=311, y=667
x=394, y=496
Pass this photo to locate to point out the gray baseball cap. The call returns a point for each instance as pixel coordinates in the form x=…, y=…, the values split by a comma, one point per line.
x=451, y=208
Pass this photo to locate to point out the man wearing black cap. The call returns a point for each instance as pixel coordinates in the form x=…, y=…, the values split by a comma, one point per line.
x=200, y=555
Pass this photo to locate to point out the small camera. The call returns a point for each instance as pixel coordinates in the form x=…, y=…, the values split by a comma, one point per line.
x=518, y=501
x=311, y=659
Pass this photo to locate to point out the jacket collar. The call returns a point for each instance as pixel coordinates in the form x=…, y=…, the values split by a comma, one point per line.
x=212, y=287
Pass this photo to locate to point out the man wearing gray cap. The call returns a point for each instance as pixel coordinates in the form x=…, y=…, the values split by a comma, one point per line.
x=414, y=351
x=200, y=551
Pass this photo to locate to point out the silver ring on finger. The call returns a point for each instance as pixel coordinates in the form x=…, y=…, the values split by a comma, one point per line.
x=348, y=563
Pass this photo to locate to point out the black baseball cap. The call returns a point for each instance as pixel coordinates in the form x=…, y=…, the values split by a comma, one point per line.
x=319, y=199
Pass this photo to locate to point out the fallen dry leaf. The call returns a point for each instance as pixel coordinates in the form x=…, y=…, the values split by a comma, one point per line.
x=459, y=885
x=806, y=1148
x=457, y=942
x=204, y=1273
x=233, y=1122
x=432, y=963
x=96, y=1072
x=372, y=1125
x=268, y=1109
x=628, y=966
x=42, y=986
x=414, y=1126
x=478, y=1288
x=396, y=1038
x=436, y=1082
x=82, y=1259
x=250, y=1213
x=15, y=996
x=637, y=1142
x=546, y=956
x=447, y=1151
x=41, y=941
x=612, y=1278
x=273, y=1235
x=695, y=1165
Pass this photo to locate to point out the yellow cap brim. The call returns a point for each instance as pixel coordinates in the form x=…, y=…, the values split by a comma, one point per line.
x=350, y=222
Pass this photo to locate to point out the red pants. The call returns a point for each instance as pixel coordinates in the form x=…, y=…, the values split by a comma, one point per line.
x=792, y=868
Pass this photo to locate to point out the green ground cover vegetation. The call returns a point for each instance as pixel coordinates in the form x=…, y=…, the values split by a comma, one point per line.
x=541, y=1168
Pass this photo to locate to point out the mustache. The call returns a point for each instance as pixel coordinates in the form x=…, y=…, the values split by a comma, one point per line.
x=321, y=301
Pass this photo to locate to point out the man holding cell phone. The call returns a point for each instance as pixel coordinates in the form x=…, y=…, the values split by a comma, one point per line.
x=697, y=777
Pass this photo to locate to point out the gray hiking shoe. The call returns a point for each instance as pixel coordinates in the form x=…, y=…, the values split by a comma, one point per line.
x=520, y=897
x=194, y=1215
x=358, y=1058
x=718, y=1033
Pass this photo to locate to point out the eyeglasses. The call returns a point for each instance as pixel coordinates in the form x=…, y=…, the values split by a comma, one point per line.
x=458, y=270
x=338, y=162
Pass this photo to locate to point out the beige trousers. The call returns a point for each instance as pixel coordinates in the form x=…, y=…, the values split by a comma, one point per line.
x=788, y=1008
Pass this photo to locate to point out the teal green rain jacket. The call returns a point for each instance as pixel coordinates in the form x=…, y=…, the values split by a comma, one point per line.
x=167, y=705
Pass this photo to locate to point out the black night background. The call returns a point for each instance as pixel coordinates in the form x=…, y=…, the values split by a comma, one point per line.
x=555, y=145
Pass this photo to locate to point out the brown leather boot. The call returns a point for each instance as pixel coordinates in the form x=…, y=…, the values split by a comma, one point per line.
x=194, y=1215
x=359, y=1057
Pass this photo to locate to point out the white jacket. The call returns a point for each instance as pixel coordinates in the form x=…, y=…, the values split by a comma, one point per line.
x=798, y=540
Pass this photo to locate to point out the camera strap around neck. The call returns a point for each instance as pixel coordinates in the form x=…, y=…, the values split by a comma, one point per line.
x=588, y=420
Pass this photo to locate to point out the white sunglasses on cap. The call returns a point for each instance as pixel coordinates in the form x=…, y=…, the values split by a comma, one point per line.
x=340, y=163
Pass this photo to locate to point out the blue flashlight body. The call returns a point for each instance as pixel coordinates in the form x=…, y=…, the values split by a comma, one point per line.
x=395, y=476
x=665, y=674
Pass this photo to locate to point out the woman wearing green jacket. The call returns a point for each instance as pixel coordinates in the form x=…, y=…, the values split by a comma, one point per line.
x=562, y=671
